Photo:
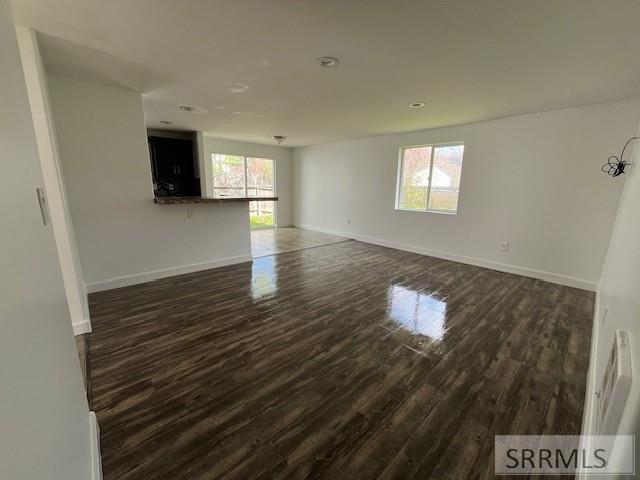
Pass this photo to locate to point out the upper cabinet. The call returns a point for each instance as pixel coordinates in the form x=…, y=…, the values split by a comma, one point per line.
x=173, y=166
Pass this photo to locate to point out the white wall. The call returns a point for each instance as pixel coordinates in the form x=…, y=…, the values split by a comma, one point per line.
x=619, y=293
x=531, y=180
x=282, y=156
x=59, y=213
x=44, y=418
x=123, y=237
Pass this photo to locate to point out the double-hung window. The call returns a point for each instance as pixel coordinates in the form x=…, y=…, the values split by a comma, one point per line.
x=429, y=178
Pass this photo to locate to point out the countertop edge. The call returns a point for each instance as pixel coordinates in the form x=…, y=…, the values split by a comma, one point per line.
x=189, y=200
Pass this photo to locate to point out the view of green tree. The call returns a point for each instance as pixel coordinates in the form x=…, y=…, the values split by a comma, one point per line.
x=259, y=176
x=416, y=192
x=260, y=181
x=448, y=160
x=228, y=175
x=415, y=178
x=239, y=176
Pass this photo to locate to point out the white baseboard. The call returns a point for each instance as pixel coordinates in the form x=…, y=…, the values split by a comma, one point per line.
x=134, y=279
x=94, y=441
x=478, y=262
x=80, y=328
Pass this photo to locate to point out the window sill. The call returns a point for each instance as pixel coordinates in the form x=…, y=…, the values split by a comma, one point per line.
x=440, y=212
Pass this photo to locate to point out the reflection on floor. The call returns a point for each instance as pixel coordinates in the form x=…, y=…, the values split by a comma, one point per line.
x=342, y=361
x=279, y=240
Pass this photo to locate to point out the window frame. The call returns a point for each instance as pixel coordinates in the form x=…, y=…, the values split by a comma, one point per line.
x=246, y=180
x=401, y=173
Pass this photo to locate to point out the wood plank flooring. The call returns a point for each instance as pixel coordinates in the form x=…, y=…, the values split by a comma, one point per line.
x=268, y=241
x=343, y=361
x=82, y=345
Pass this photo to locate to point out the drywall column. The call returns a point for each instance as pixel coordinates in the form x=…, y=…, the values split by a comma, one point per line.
x=45, y=428
x=123, y=236
x=60, y=216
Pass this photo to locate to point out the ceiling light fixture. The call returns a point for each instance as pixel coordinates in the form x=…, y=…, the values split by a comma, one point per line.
x=328, y=62
x=279, y=138
x=192, y=109
x=416, y=105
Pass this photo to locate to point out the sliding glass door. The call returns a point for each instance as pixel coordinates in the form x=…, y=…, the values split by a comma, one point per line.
x=261, y=183
x=242, y=176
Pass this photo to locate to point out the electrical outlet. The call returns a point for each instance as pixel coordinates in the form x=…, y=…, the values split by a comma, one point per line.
x=505, y=246
x=189, y=212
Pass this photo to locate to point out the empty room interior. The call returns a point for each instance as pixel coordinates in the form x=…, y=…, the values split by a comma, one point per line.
x=330, y=239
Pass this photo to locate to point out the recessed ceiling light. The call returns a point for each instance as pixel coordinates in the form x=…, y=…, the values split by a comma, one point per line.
x=416, y=105
x=328, y=62
x=192, y=109
x=166, y=122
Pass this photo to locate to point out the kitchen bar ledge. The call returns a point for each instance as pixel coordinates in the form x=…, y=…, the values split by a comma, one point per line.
x=187, y=200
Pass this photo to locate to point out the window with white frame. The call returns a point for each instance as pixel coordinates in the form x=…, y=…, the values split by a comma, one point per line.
x=244, y=176
x=429, y=178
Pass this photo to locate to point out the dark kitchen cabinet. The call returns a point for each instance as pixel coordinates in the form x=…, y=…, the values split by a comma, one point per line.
x=172, y=165
x=171, y=158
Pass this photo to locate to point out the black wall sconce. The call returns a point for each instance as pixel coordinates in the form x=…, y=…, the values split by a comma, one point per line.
x=616, y=165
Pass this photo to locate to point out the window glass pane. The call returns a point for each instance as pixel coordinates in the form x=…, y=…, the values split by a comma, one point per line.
x=445, y=179
x=261, y=214
x=259, y=177
x=415, y=178
x=228, y=175
x=260, y=183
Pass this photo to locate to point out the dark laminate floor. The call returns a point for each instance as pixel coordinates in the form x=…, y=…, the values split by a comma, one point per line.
x=341, y=361
x=82, y=345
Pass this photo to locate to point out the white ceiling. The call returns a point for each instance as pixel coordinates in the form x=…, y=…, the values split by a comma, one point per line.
x=250, y=63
